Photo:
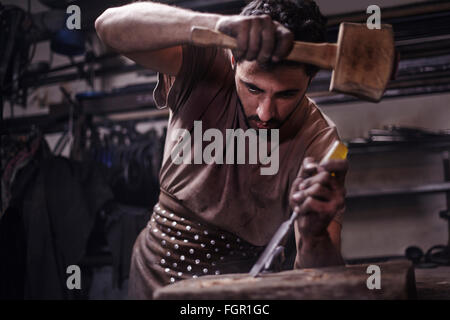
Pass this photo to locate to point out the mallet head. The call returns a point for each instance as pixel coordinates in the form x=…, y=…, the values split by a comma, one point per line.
x=364, y=61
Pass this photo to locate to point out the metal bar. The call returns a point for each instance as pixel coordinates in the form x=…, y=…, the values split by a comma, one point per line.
x=429, y=188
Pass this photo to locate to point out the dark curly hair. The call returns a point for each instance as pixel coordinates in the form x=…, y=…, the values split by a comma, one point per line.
x=302, y=17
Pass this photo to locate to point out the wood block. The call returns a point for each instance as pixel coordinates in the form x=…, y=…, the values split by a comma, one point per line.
x=341, y=282
x=433, y=284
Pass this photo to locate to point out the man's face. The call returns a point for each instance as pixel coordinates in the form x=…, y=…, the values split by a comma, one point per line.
x=269, y=97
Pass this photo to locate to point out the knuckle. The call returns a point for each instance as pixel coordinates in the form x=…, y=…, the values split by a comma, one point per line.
x=265, y=18
x=308, y=202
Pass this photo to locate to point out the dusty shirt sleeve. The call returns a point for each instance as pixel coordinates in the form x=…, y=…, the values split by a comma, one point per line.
x=173, y=91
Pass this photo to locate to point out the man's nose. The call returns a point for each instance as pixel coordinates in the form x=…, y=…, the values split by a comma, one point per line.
x=266, y=110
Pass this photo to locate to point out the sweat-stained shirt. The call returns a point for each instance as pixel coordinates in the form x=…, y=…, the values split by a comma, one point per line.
x=234, y=197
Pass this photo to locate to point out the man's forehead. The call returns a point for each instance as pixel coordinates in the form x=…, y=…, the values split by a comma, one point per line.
x=284, y=76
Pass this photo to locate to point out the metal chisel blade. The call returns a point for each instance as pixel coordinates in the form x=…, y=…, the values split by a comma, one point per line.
x=273, y=244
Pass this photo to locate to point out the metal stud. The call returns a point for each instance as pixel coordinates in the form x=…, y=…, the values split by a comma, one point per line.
x=167, y=270
x=182, y=258
x=155, y=230
x=205, y=232
x=202, y=245
x=188, y=228
x=168, y=229
x=213, y=242
x=189, y=268
x=172, y=238
x=191, y=251
x=176, y=246
x=205, y=270
x=221, y=258
x=174, y=223
x=208, y=256
x=165, y=219
x=185, y=241
x=197, y=261
x=172, y=280
x=178, y=233
x=174, y=265
x=171, y=215
x=216, y=249
x=195, y=276
x=163, y=261
x=163, y=242
x=196, y=237
x=222, y=237
x=180, y=274
x=168, y=253
x=217, y=272
x=228, y=246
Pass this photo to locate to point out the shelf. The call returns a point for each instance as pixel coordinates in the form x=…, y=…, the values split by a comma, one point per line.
x=423, y=189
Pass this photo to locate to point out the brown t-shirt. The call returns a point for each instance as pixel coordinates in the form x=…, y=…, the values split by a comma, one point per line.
x=233, y=197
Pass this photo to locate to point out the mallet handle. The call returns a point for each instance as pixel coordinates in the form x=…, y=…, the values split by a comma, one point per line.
x=322, y=55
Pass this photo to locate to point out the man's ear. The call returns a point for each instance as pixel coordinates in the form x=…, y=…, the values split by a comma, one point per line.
x=233, y=61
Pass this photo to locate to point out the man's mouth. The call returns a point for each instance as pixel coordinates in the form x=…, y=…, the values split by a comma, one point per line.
x=261, y=125
x=266, y=125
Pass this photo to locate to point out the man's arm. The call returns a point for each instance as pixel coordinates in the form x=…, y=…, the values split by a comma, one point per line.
x=152, y=34
x=317, y=196
x=321, y=251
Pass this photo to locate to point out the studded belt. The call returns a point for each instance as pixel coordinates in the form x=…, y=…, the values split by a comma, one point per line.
x=184, y=248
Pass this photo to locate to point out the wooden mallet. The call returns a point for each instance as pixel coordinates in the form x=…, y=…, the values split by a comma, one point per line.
x=362, y=60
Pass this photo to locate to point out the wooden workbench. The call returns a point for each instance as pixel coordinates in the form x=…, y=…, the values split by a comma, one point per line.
x=342, y=282
x=433, y=283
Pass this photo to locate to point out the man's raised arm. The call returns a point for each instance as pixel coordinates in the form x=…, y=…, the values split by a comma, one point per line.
x=151, y=33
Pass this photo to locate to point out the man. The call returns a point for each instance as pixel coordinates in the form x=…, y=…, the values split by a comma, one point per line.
x=217, y=218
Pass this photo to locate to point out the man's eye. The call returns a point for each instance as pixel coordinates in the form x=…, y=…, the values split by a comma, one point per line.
x=253, y=90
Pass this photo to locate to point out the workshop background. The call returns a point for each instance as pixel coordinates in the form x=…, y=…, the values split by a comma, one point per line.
x=80, y=121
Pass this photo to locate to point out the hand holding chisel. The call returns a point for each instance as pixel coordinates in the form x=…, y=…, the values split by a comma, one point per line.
x=302, y=185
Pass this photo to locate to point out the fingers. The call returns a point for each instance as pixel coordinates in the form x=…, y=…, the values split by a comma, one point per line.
x=321, y=187
x=317, y=191
x=242, y=41
x=254, y=44
x=284, y=44
x=258, y=37
x=309, y=168
x=323, y=178
x=267, y=41
x=327, y=209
